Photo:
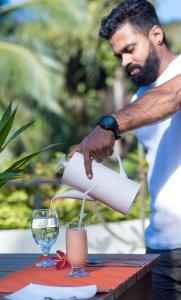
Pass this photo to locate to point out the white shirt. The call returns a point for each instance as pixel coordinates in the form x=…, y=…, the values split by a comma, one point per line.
x=162, y=141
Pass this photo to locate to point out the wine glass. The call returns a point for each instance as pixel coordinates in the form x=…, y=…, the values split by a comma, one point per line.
x=76, y=248
x=45, y=229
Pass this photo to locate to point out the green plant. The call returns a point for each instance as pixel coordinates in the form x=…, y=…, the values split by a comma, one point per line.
x=16, y=169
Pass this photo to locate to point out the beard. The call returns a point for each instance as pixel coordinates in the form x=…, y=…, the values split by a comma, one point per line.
x=149, y=72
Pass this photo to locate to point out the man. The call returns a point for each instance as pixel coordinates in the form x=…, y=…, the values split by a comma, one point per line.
x=137, y=39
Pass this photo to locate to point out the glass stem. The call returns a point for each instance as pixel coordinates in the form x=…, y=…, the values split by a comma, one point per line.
x=48, y=257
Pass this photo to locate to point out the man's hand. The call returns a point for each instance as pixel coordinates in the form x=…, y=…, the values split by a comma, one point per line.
x=96, y=145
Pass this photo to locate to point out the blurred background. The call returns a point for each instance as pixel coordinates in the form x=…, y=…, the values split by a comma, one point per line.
x=54, y=66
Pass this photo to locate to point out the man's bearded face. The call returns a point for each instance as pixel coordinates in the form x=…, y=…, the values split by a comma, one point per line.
x=147, y=73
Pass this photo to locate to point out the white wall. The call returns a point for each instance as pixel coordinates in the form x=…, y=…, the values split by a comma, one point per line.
x=99, y=239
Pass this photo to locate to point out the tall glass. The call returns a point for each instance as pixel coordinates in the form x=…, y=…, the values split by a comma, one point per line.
x=45, y=229
x=76, y=248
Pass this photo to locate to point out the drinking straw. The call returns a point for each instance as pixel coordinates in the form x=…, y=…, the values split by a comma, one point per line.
x=121, y=169
x=83, y=203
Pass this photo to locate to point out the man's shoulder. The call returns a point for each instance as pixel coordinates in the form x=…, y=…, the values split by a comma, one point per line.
x=139, y=92
x=173, y=69
x=178, y=58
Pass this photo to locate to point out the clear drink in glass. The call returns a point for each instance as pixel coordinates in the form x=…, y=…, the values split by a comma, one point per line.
x=45, y=229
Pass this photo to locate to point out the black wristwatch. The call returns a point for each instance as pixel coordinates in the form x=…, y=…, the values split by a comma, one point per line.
x=110, y=123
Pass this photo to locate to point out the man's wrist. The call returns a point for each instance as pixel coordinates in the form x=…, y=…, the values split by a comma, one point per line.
x=110, y=123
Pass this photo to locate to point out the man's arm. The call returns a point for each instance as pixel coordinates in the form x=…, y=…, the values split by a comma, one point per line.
x=153, y=105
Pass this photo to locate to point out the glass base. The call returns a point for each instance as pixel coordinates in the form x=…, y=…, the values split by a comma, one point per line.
x=78, y=271
x=46, y=263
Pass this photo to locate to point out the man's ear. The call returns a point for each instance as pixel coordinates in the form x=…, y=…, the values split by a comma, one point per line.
x=156, y=35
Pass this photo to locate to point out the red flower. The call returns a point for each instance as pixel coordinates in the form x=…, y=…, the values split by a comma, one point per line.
x=62, y=261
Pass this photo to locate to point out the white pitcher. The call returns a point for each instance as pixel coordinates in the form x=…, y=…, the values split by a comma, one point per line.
x=114, y=189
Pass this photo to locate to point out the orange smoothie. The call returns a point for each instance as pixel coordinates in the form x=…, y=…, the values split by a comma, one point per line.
x=76, y=246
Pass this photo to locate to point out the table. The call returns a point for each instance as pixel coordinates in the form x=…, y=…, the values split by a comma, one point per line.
x=137, y=287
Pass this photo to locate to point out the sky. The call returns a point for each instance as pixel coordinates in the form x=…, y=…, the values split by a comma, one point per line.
x=169, y=10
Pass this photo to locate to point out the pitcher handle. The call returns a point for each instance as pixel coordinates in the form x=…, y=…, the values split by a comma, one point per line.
x=63, y=163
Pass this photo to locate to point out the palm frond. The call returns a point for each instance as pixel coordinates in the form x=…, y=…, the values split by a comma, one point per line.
x=23, y=71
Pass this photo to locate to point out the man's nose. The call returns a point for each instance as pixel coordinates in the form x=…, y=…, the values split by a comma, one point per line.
x=126, y=60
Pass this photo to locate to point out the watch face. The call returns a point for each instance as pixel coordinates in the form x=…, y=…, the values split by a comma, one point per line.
x=110, y=123
x=107, y=122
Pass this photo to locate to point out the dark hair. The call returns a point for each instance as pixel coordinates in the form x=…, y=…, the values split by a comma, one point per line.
x=139, y=13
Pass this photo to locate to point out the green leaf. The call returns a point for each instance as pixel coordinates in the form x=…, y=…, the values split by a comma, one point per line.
x=21, y=162
x=7, y=175
x=16, y=134
x=15, y=170
x=7, y=127
x=5, y=116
